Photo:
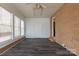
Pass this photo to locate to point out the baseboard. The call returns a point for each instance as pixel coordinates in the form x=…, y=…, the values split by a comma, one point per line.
x=6, y=48
x=70, y=49
x=37, y=38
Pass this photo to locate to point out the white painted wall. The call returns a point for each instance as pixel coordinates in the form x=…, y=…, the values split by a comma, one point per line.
x=37, y=27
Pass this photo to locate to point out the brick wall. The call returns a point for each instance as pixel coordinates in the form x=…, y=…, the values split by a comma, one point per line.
x=67, y=27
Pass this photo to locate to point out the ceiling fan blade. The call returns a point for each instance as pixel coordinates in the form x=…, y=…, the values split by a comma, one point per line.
x=43, y=5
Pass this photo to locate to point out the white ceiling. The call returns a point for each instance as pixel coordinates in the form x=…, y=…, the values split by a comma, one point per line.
x=26, y=9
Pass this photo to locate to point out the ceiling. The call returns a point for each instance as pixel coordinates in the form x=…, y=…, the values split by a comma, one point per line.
x=26, y=9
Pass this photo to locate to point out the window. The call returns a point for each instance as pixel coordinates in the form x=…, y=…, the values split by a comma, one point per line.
x=16, y=26
x=22, y=27
x=5, y=25
x=10, y=25
x=53, y=28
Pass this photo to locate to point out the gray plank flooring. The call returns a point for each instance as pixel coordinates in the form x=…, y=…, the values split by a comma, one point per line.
x=38, y=47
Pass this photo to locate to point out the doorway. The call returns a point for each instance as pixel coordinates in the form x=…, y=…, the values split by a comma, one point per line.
x=54, y=26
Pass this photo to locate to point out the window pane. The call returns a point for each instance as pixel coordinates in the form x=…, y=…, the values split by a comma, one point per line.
x=5, y=17
x=5, y=25
x=22, y=27
x=17, y=21
x=5, y=28
x=17, y=26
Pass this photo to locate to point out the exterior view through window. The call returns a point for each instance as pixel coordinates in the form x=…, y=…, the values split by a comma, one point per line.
x=17, y=26
x=6, y=26
x=22, y=27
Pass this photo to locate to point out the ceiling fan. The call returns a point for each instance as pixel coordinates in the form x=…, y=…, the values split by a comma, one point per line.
x=37, y=7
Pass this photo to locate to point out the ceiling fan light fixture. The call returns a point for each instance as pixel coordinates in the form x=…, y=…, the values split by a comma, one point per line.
x=38, y=9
